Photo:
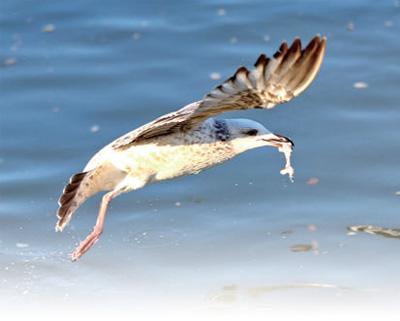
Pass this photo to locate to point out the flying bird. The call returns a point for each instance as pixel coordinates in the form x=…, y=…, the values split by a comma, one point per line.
x=190, y=139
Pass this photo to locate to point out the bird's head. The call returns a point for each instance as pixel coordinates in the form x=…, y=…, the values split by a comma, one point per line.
x=245, y=134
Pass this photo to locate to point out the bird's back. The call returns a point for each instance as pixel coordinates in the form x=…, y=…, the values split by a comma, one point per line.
x=176, y=154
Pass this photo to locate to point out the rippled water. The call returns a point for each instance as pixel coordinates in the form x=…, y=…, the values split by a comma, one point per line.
x=75, y=75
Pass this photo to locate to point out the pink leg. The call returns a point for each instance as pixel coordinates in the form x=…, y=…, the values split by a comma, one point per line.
x=93, y=237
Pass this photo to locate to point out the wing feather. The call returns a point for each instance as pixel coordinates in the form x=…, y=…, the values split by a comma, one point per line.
x=273, y=81
x=158, y=127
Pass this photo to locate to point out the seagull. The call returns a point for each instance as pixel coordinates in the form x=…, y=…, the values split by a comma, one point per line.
x=191, y=139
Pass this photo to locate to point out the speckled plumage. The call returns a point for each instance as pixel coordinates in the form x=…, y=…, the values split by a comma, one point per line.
x=181, y=153
x=190, y=140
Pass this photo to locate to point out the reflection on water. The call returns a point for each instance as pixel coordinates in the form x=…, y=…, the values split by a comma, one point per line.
x=75, y=75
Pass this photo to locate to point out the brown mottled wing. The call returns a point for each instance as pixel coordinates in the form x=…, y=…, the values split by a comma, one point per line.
x=158, y=127
x=274, y=81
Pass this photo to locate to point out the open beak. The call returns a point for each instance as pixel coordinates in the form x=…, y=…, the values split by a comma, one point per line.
x=277, y=140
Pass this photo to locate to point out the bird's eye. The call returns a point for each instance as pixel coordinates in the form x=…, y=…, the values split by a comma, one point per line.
x=252, y=132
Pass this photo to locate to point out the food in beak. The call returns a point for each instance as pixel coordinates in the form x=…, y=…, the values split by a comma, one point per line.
x=285, y=146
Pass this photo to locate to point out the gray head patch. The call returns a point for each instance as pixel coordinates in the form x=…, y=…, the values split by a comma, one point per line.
x=221, y=130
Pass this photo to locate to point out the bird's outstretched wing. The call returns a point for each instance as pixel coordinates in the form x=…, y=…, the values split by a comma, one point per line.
x=273, y=81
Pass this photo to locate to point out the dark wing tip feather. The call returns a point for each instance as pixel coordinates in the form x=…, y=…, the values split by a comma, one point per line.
x=262, y=60
x=66, y=200
x=282, y=50
x=312, y=45
x=296, y=46
x=240, y=70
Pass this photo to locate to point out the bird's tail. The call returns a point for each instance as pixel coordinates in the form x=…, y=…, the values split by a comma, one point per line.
x=77, y=191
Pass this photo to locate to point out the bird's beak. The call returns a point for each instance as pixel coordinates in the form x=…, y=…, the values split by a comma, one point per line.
x=277, y=140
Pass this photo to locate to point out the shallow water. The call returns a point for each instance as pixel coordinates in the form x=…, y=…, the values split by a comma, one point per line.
x=75, y=75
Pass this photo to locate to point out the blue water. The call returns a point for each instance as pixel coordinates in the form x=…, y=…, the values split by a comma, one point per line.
x=206, y=241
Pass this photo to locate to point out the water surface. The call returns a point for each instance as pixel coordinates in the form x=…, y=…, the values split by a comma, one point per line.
x=75, y=75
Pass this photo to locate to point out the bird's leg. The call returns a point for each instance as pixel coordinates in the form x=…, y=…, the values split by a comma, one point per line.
x=128, y=184
x=93, y=237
